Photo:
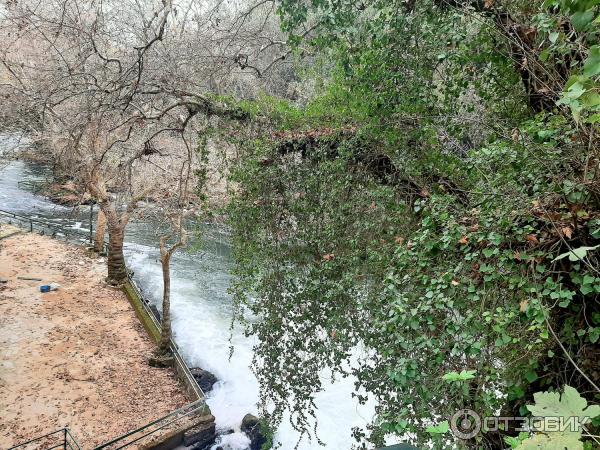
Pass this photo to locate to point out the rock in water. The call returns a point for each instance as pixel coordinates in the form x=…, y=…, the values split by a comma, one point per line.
x=202, y=435
x=155, y=312
x=252, y=427
x=204, y=378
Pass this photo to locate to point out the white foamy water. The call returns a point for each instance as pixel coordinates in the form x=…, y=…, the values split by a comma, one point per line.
x=201, y=313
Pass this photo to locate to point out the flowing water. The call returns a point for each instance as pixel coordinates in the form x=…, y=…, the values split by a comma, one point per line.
x=201, y=314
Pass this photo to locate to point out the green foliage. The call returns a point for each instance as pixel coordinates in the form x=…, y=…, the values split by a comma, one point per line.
x=464, y=375
x=441, y=428
x=267, y=432
x=446, y=270
x=577, y=254
x=569, y=404
x=553, y=405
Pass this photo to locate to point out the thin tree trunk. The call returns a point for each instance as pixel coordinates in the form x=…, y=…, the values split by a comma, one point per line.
x=165, y=335
x=116, y=223
x=117, y=272
x=100, y=231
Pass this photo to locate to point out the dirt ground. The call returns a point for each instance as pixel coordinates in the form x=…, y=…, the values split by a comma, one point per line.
x=74, y=357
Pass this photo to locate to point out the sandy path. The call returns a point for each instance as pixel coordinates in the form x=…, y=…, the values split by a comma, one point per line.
x=75, y=357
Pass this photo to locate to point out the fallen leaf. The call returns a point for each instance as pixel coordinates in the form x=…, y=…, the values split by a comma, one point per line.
x=523, y=305
x=399, y=240
x=515, y=135
x=532, y=238
x=463, y=240
x=488, y=4
x=567, y=231
x=517, y=256
x=328, y=257
x=454, y=283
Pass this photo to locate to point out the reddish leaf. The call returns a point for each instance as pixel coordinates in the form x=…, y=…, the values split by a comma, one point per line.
x=532, y=238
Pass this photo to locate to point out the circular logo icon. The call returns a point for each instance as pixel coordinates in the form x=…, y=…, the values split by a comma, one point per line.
x=465, y=424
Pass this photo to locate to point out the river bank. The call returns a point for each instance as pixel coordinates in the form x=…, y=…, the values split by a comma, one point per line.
x=73, y=357
x=201, y=310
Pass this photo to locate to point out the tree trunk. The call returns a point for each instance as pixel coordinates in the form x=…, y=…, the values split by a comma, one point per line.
x=165, y=335
x=117, y=272
x=100, y=231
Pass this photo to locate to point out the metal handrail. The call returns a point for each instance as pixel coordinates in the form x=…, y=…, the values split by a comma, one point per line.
x=145, y=303
x=35, y=185
x=193, y=407
x=56, y=228
x=73, y=445
x=173, y=346
x=67, y=441
x=185, y=411
x=33, y=221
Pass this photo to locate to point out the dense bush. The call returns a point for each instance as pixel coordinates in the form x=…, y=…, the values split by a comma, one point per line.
x=432, y=211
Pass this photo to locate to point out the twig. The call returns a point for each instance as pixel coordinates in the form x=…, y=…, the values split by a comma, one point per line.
x=568, y=355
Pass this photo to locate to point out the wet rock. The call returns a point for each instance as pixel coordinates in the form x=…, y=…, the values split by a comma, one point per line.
x=252, y=427
x=202, y=436
x=155, y=312
x=204, y=378
x=161, y=361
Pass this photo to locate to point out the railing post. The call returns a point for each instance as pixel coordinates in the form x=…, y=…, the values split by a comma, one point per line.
x=91, y=223
x=65, y=440
x=30, y=226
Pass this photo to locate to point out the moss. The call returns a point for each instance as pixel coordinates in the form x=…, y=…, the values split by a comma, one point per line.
x=140, y=312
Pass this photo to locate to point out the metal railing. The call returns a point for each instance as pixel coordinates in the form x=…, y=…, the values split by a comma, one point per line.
x=191, y=381
x=57, y=439
x=82, y=236
x=35, y=186
x=181, y=366
x=52, y=229
x=151, y=428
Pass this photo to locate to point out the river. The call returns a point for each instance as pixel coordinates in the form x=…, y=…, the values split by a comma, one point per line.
x=201, y=315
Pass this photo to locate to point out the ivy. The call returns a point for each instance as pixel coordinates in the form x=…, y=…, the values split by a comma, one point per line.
x=416, y=225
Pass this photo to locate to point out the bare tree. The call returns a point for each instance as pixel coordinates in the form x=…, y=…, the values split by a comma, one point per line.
x=172, y=212
x=114, y=85
x=179, y=235
x=100, y=232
